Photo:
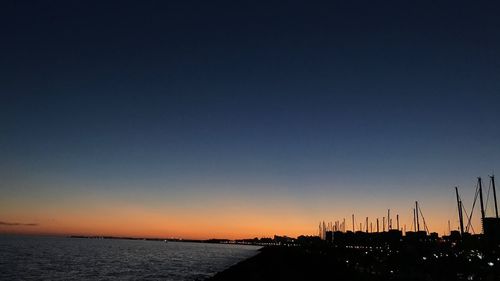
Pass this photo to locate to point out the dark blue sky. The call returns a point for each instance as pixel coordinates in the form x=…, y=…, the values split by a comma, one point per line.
x=307, y=96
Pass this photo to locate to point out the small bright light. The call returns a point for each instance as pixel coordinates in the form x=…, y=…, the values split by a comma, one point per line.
x=424, y=258
x=491, y=263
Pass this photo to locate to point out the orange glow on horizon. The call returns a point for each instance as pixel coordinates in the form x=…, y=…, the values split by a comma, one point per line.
x=228, y=216
x=230, y=225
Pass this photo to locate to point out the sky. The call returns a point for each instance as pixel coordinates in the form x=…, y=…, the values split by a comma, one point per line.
x=237, y=119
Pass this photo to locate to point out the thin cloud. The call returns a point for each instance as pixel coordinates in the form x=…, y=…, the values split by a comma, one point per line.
x=17, y=224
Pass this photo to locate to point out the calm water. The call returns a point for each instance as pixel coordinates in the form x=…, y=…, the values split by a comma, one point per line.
x=51, y=258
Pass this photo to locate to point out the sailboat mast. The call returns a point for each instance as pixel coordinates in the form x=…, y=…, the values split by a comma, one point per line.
x=414, y=220
x=460, y=218
x=416, y=211
x=494, y=194
x=353, y=230
x=479, y=182
x=388, y=219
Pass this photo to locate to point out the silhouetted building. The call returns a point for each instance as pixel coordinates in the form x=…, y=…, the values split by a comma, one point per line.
x=491, y=227
x=329, y=236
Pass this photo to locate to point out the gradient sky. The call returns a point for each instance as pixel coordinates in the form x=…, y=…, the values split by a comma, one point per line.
x=242, y=118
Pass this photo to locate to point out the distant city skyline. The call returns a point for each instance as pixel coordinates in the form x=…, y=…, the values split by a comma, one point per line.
x=235, y=120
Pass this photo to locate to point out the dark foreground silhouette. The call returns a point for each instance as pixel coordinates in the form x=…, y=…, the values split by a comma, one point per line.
x=333, y=263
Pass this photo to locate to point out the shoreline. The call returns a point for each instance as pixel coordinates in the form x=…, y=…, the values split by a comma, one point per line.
x=315, y=263
x=282, y=263
x=207, y=241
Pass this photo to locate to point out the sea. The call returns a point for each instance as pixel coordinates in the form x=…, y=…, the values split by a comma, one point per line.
x=61, y=258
